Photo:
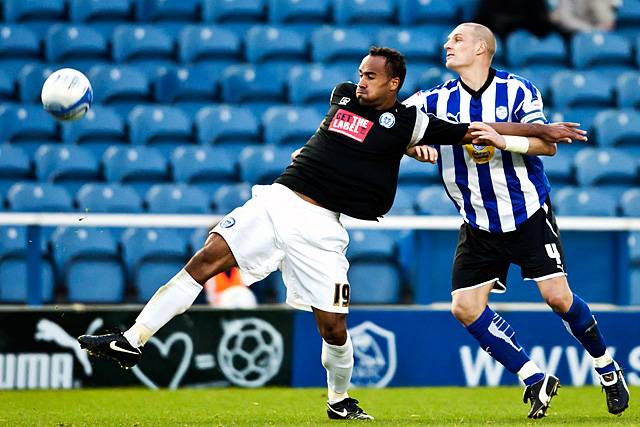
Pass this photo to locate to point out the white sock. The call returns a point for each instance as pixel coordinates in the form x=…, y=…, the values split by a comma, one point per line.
x=529, y=369
x=170, y=300
x=338, y=361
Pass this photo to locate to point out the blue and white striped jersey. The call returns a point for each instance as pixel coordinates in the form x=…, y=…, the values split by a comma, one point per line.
x=493, y=190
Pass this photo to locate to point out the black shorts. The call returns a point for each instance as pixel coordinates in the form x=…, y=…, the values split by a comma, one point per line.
x=483, y=257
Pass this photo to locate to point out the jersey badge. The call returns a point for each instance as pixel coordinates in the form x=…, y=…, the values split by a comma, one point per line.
x=387, y=120
x=480, y=153
x=502, y=112
x=344, y=101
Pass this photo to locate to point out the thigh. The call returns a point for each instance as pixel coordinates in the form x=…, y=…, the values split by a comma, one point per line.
x=250, y=234
x=539, y=249
x=315, y=265
x=478, y=261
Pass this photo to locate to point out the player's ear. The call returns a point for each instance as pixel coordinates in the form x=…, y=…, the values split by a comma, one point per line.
x=481, y=47
x=394, y=83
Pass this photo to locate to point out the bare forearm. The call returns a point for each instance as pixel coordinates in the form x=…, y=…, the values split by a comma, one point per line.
x=539, y=147
x=519, y=129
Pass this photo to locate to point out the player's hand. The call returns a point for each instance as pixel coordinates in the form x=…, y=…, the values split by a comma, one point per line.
x=564, y=132
x=423, y=153
x=295, y=154
x=483, y=134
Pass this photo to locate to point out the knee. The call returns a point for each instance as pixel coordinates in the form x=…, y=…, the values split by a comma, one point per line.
x=334, y=333
x=466, y=311
x=559, y=302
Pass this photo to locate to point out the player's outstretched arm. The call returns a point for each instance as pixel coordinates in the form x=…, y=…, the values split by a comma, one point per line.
x=483, y=134
x=557, y=132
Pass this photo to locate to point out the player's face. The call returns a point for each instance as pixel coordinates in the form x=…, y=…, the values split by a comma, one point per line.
x=460, y=47
x=375, y=87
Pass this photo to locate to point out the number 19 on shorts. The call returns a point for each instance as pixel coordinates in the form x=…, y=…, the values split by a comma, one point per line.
x=341, y=295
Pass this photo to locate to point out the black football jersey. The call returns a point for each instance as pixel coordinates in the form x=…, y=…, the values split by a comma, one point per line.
x=350, y=165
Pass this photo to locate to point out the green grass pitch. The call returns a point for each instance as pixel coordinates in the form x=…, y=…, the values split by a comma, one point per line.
x=285, y=406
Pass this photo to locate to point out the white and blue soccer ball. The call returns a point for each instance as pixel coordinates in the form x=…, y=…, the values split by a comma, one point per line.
x=67, y=94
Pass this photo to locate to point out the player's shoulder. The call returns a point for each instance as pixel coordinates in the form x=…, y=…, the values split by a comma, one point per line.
x=516, y=80
x=344, y=88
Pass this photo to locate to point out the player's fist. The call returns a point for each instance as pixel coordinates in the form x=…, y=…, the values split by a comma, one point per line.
x=423, y=153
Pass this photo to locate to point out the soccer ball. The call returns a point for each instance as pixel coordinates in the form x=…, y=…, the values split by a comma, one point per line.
x=67, y=94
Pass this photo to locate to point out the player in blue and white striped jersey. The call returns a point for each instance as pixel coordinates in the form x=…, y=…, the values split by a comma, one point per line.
x=503, y=196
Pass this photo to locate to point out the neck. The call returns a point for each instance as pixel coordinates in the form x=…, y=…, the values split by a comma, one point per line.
x=474, y=77
x=387, y=104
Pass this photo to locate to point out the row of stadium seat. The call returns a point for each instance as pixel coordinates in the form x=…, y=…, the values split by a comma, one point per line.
x=166, y=128
x=404, y=12
x=144, y=259
x=413, y=197
x=131, y=43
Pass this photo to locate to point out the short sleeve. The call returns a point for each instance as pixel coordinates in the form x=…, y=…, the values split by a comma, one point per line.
x=531, y=109
x=442, y=132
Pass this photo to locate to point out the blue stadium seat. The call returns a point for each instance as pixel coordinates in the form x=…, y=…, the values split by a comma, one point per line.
x=243, y=83
x=108, y=198
x=167, y=10
x=598, y=166
x=433, y=76
x=141, y=167
x=593, y=49
x=630, y=203
x=152, y=257
x=78, y=43
x=262, y=165
x=404, y=202
x=87, y=260
x=523, y=48
x=38, y=197
x=415, y=172
x=213, y=45
x=18, y=46
x=413, y=12
x=14, y=166
x=264, y=43
x=540, y=76
x=229, y=197
x=131, y=42
x=30, y=80
x=225, y=123
x=330, y=44
x=176, y=198
x=13, y=267
x=560, y=169
x=314, y=83
x=586, y=201
x=583, y=89
x=121, y=87
x=186, y=84
x=291, y=11
x=163, y=127
x=634, y=253
x=96, y=11
x=100, y=128
x=348, y=12
x=617, y=127
x=628, y=90
x=285, y=125
x=628, y=15
x=373, y=254
x=433, y=200
x=233, y=11
x=29, y=10
x=7, y=91
x=205, y=167
x=67, y=165
x=415, y=45
x=27, y=123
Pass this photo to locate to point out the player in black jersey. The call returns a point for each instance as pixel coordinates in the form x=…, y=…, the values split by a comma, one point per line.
x=350, y=165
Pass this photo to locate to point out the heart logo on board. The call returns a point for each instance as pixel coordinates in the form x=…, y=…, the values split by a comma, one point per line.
x=164, y=348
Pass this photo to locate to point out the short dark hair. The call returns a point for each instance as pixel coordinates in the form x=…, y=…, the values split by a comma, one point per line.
x=395, y=64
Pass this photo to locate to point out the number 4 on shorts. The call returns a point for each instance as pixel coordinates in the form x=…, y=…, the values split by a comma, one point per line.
x=552, y=251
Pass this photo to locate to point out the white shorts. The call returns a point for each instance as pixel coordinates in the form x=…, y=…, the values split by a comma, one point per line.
x=276, y=229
